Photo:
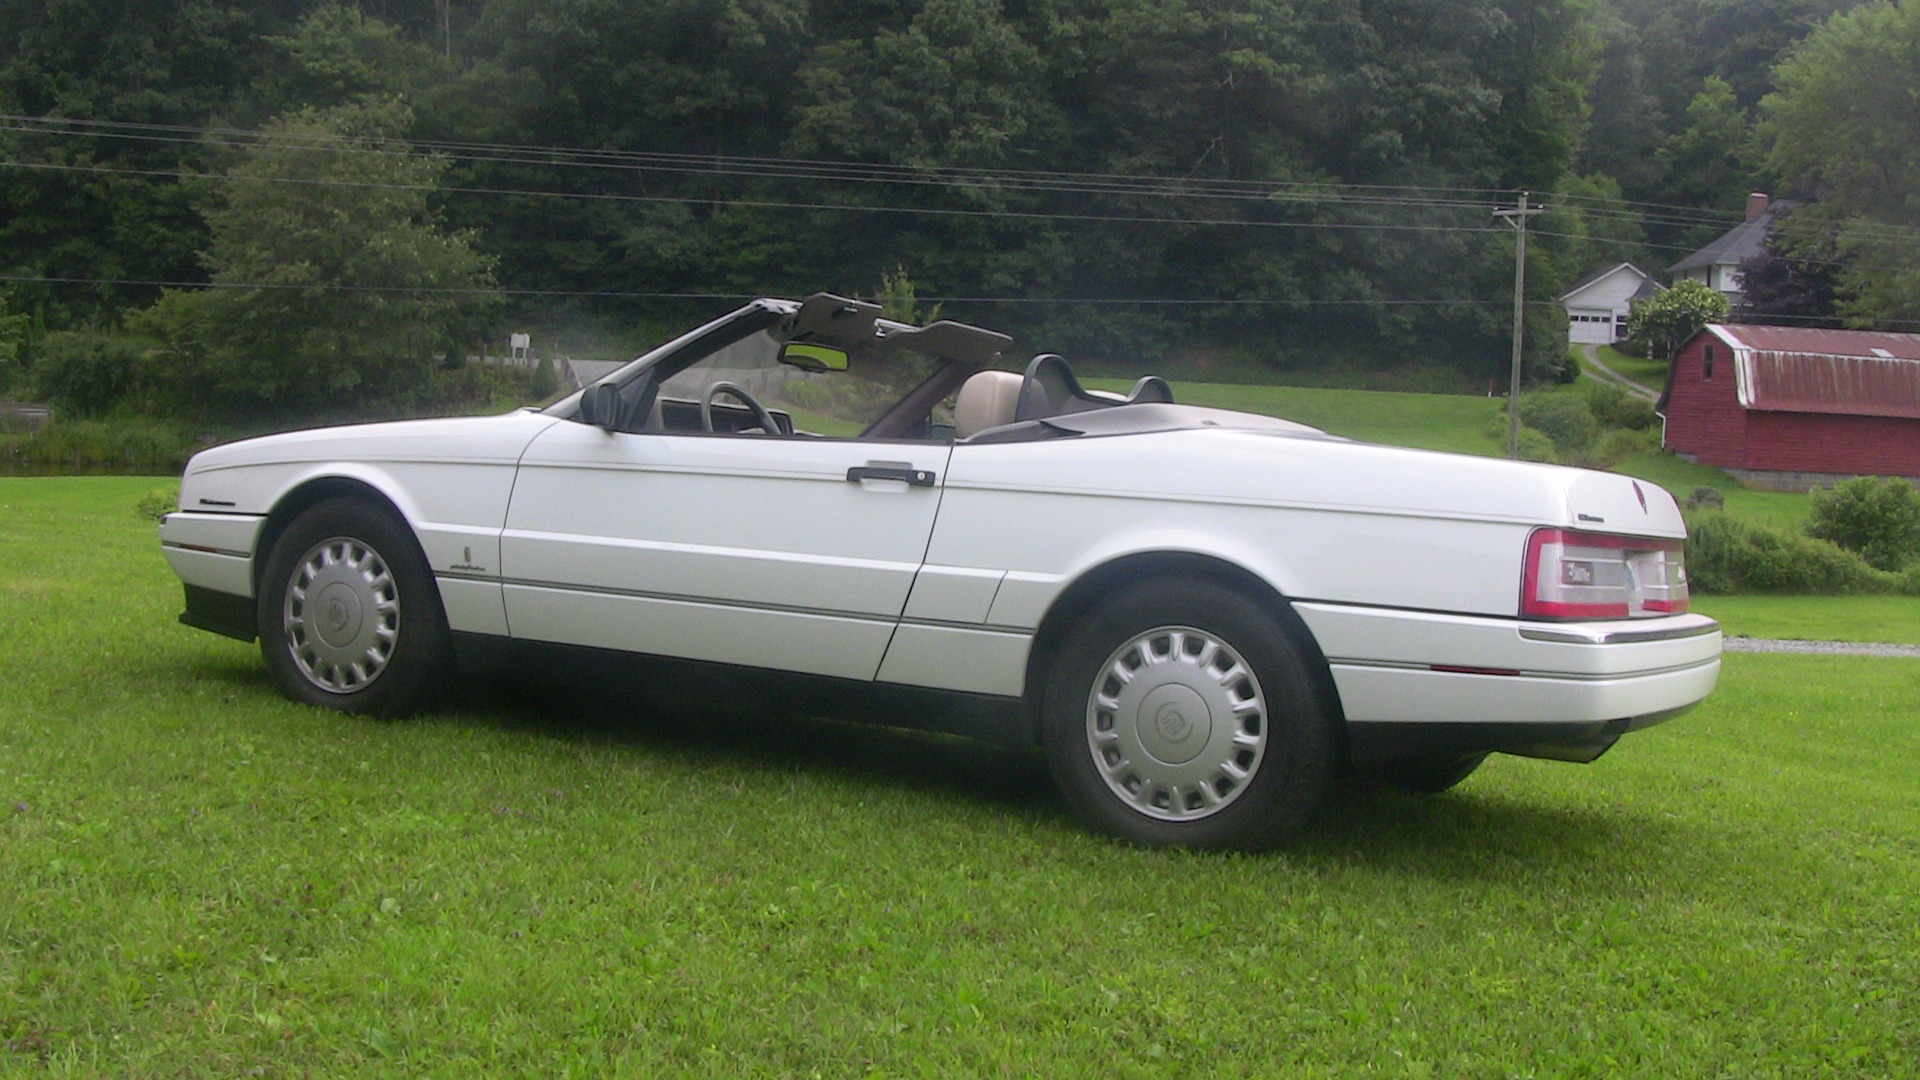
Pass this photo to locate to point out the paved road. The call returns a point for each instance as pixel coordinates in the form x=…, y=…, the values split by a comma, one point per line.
x=1644, y=393
x=1826, y=648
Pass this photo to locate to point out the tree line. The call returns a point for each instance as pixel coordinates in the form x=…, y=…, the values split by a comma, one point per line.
x=215, y=207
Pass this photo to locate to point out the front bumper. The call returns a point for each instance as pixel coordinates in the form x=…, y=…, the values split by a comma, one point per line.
x=213, y=556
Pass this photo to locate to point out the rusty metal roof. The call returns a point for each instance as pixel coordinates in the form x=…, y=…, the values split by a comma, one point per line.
x=1842, y=372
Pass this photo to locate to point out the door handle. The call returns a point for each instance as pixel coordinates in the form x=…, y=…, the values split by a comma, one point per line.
x=880, y=470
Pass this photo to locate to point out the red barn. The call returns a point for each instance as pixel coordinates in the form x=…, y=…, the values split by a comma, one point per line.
x=1790, y=408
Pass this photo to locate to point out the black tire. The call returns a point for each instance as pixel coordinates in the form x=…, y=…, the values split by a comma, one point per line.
x=348, y=614
x=1430, y=775
x=1224, y=742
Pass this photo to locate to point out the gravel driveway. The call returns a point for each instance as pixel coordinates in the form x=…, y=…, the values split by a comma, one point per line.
x=1831, y=648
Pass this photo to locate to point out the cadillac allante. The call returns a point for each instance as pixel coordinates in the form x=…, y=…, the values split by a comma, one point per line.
x=1202, y=616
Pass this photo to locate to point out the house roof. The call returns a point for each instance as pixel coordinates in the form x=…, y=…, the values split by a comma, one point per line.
x=1738, y=244
x=1595, y=276
x=1838, y=372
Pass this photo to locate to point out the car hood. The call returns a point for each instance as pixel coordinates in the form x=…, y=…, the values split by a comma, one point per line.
x=480, y=440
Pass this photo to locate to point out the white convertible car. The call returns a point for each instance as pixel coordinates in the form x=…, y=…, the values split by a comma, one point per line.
x=1202, y=615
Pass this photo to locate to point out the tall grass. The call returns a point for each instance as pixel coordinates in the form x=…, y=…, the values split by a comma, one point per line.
x=127, y=442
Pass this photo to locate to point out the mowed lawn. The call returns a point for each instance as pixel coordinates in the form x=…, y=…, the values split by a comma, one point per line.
x=201, y=879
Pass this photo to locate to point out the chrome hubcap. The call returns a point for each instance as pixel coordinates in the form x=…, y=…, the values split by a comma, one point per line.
x=342, y=615
x=1177, y=723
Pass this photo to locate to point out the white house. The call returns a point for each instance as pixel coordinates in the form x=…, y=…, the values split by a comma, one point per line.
x=1597, y=304
x=1717, y=266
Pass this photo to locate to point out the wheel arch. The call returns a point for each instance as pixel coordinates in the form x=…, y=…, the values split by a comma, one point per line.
x=1086, y=590
x=318, y=489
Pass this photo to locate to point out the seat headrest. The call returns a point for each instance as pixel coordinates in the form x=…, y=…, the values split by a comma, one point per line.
x=987, y=399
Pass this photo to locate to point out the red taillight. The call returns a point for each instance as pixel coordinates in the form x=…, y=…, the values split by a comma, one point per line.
x=1582, y=575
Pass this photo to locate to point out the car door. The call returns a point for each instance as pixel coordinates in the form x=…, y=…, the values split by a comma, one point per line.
x=790, y=552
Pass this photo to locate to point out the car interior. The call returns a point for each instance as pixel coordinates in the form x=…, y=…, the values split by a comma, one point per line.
x=832, y=340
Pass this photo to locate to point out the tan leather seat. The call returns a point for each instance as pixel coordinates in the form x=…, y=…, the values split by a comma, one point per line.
x=987, y=399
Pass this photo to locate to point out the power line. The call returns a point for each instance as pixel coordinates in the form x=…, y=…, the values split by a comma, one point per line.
x=775, y=204
x=774, y=167
x=1001, y=180
x=641, y=295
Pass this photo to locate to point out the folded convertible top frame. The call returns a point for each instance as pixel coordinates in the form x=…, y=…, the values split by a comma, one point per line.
x=853, y=324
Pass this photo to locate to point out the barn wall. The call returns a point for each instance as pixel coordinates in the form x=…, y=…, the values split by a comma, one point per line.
x=1704, y=417
x=1812, y=443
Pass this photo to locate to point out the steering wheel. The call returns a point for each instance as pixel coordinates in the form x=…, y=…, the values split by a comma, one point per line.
x=760, y=413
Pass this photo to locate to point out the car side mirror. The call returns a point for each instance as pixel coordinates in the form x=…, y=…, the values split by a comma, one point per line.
x=600, y=406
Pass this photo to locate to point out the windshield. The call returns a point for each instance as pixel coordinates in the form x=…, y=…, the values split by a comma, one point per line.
x=831, y=403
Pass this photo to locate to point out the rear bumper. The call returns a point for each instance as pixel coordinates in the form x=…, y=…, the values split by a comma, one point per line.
x=1414, y=683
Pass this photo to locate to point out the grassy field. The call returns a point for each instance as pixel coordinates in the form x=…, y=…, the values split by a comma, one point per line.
x=1817, y=618
x=203, y=879
x=1651, y=373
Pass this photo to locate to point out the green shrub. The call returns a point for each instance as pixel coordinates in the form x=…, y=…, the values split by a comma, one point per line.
x=1613, y=407
x=1705, y=497
x=124, y=441
x=85, y=372
x=1877, y=518
x=158, y=503
x=1726, y=554
x=1535, y=446
x=546, y=381
x=1617, y=445
x=1563, y=417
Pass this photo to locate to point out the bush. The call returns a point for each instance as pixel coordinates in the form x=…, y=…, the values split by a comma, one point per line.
x=158, y=503
x=1535, y=446
x=108, y=444
x=1877, y=518
x=85, y=372
x=1705, y=498
x=546, y=381
x=1613, y=407
x=1616, y=446
x=1562, y=417
x=1726, y=554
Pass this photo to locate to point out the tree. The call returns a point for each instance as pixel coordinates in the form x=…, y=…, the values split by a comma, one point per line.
x=1779, y=287
x=333, y=279
x=1844, y=130
x=1662, y=323
x=1710, y=162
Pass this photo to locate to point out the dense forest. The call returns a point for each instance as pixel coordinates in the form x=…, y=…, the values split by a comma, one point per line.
x=213, y=208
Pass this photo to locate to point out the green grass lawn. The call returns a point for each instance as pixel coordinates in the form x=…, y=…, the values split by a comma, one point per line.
x=1648, y=372
x=202, y=879
x=1817, y=618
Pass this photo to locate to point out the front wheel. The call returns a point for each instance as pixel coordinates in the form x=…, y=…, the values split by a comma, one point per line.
x=348, y=615
x=1179, y=714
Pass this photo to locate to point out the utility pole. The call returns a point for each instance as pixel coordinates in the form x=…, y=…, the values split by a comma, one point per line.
x=1518, y=219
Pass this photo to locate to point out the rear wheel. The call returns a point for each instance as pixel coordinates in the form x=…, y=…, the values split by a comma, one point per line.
x=348, y=614
x=1179, y=714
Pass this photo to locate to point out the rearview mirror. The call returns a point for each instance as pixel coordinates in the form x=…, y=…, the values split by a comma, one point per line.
x=810, y=357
